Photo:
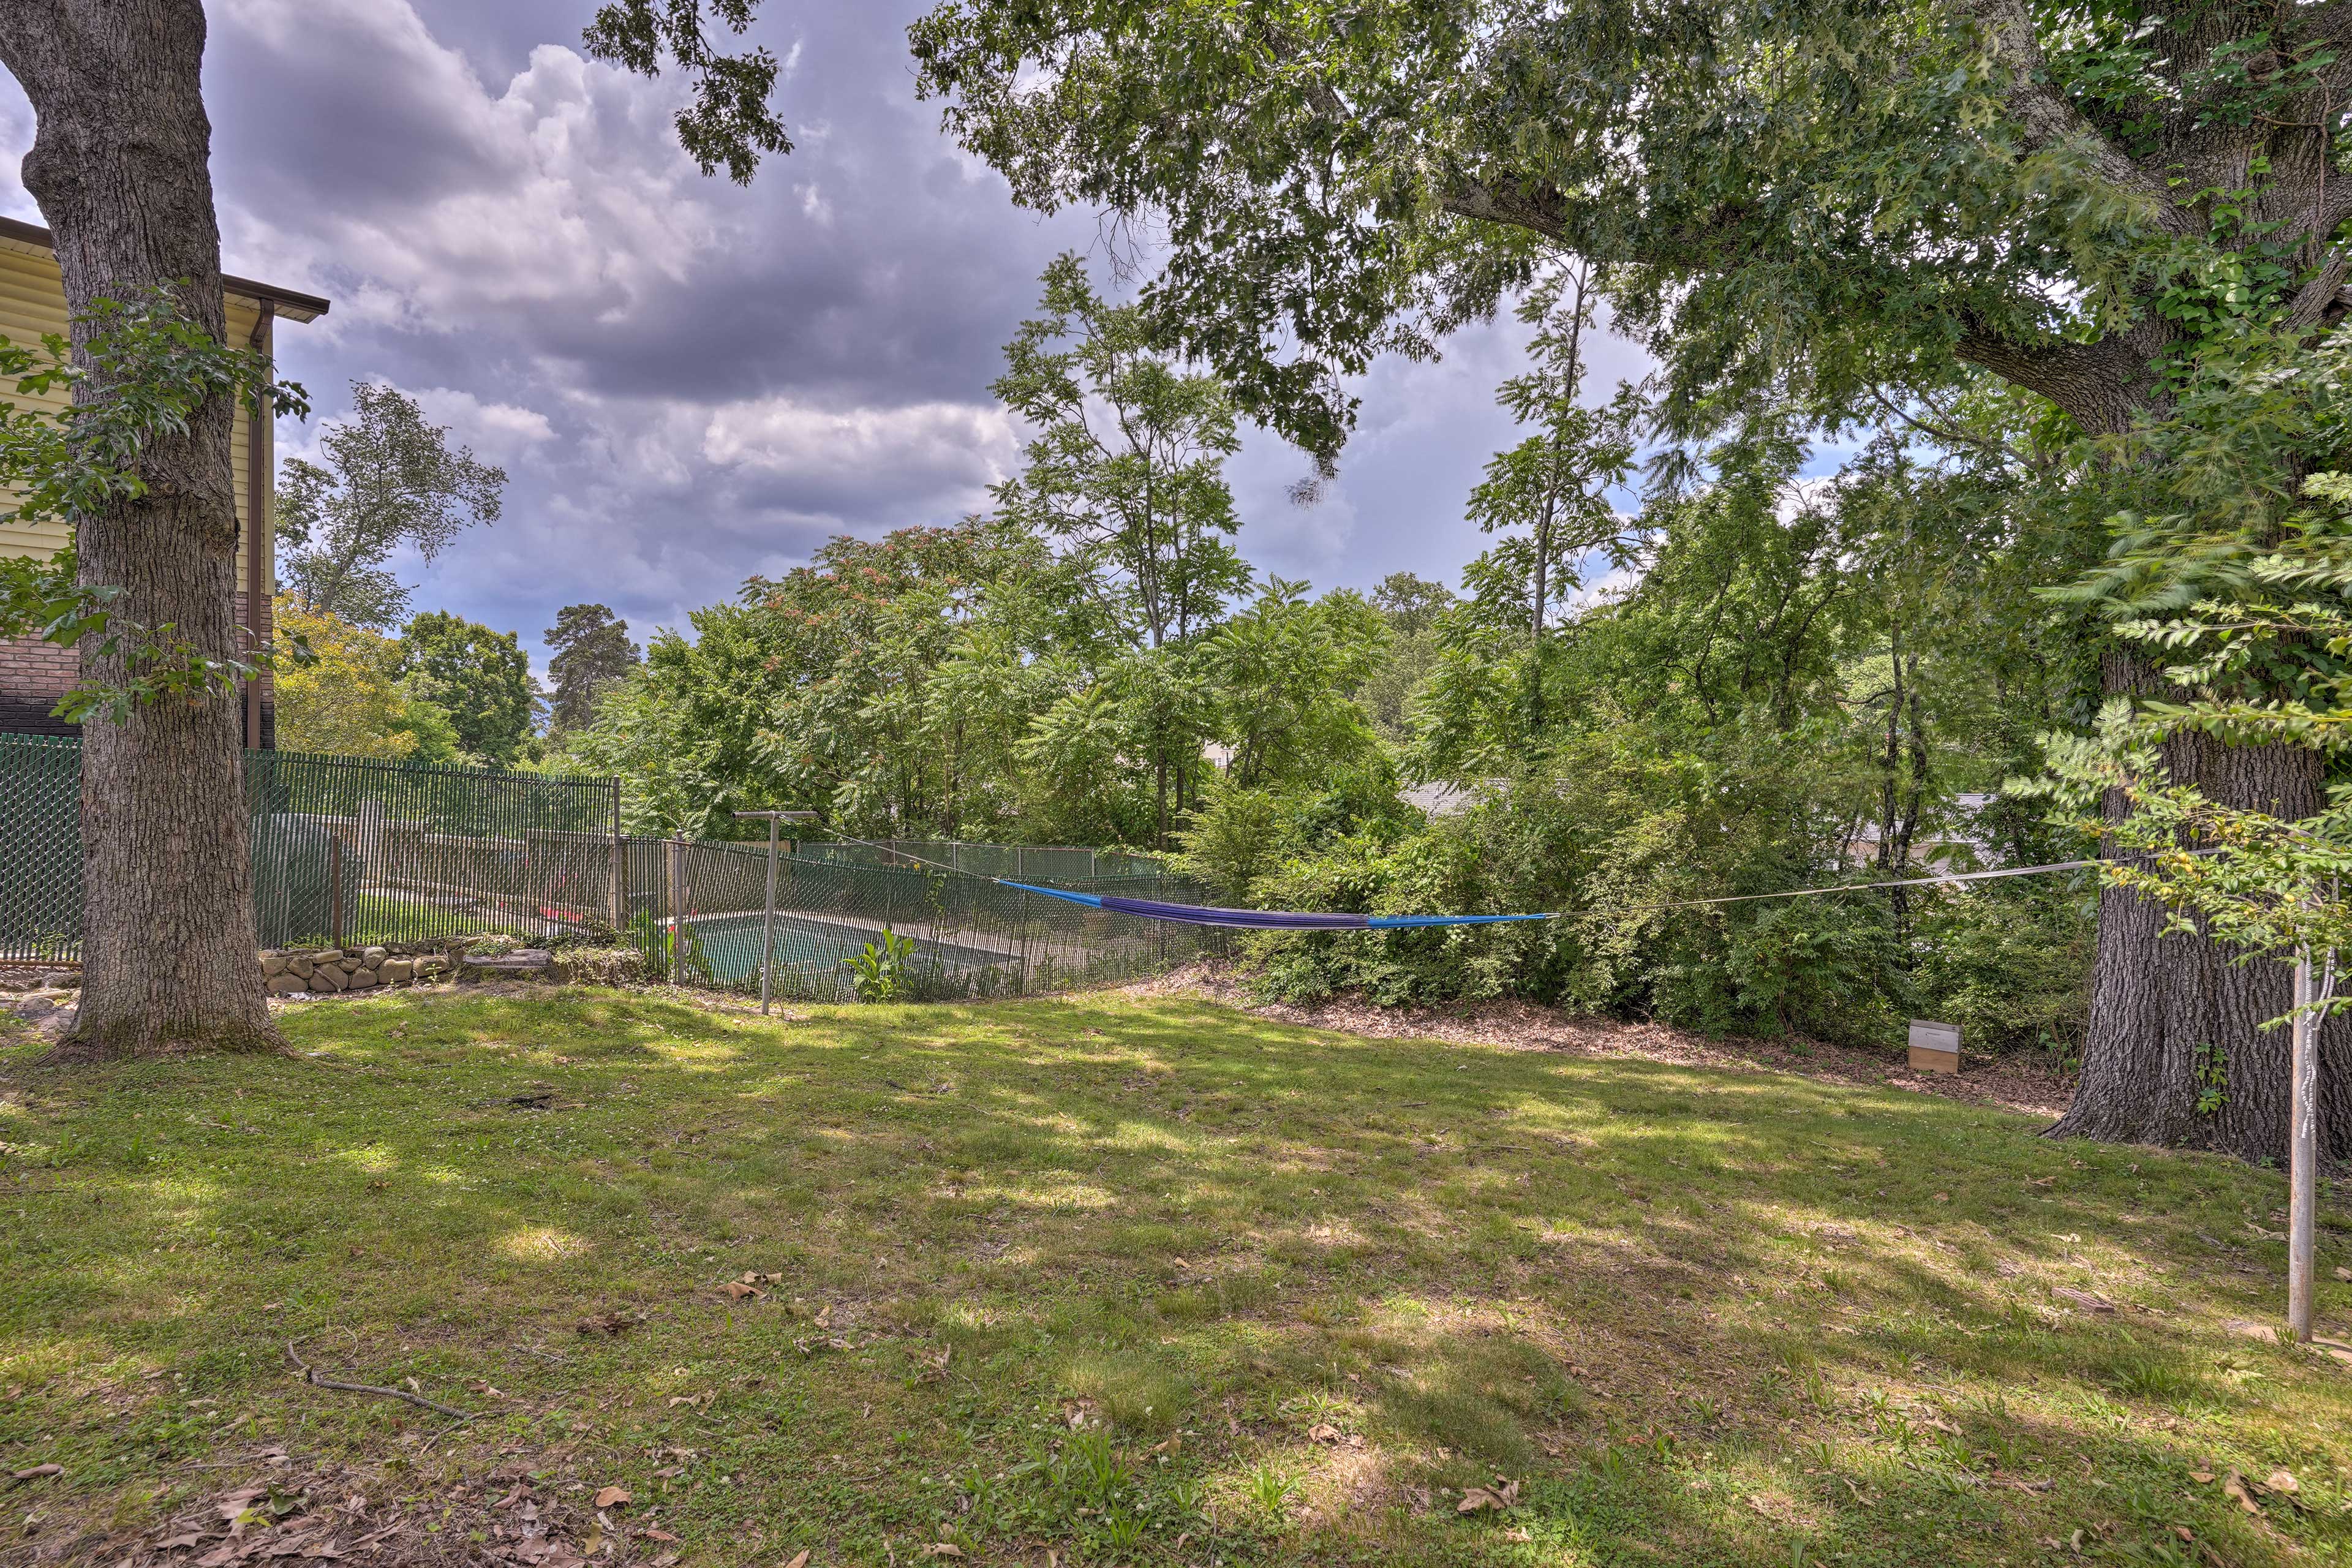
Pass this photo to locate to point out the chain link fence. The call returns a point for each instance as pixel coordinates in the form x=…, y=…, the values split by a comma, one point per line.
x=968, y=937
x=354, y=850
x=1055, y=863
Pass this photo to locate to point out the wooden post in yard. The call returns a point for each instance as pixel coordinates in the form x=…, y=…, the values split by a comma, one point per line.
x=2302, y=1151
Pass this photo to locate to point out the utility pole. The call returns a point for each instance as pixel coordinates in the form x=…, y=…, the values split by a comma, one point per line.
x=768, y=921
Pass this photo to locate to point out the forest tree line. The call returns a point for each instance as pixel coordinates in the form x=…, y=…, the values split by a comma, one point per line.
x=1697, y=676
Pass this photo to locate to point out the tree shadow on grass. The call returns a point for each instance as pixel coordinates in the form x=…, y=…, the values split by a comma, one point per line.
x=1646, y=1292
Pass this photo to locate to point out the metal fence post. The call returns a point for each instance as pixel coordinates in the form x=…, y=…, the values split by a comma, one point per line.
x=620, y=868
x=335, y=887
x=674, y=882
x=767, y=920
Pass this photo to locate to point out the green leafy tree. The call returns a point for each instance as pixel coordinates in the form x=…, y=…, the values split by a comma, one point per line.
x=120, y=167
x=151, y=378
x=1850, y=209
x=390, y=479
x=348, y=700
x=592, y=651
x=889, y=684
x=1125, y=470
x=1555, y=484
x=479, y=678
x=1283, y=672
x=1410, y=606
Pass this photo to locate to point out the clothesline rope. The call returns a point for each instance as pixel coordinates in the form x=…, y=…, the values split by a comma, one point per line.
x=1294, y=920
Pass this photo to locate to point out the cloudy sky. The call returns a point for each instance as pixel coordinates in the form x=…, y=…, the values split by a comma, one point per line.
x=689, y=381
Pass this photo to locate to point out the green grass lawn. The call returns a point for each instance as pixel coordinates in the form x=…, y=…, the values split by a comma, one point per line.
x=1117, y=1279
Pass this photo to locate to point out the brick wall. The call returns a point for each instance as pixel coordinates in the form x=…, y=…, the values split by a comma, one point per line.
x=33, y=674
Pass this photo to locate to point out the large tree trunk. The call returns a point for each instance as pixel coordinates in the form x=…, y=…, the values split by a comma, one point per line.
x=119, y=167
x=2165, y=1004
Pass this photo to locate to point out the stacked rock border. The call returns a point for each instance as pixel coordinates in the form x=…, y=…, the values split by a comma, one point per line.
x=326, y=971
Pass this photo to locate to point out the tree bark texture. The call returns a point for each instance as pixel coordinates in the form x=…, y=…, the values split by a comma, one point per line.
x=2165, y=1003
x=120, y=166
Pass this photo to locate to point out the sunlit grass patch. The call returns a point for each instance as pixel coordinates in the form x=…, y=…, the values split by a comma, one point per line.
x=1104, y=1276
x=543, y=1243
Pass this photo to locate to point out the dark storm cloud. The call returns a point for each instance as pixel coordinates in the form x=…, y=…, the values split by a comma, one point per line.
x=690, y=382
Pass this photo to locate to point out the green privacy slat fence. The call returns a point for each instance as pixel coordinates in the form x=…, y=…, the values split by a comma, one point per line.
x=351, y=851
x=357, y=850
x=344, y=849
x=41, y=848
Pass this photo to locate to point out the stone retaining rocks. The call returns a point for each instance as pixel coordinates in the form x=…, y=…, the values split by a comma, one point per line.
x=15, y=978
x=328, y=970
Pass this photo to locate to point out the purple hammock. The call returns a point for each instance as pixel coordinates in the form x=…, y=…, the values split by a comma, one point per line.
x=1260, y=920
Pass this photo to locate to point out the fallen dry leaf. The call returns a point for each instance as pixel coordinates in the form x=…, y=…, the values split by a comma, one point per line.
x=651, y=1533
x=2343, y=1274
x=1324, y=1432
x=2233, y=1486
x=1498, y=1497
x=2083, y=1299
x=36, y=1471
x=2280, y=1481
x=2203, y=1477
x=737, y=1289
x=799, y=1561
x=942, y=1549
x=611, y=1497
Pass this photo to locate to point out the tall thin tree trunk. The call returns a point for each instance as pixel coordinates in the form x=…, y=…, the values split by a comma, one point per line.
x=119, y=165
x=1536, y=627
x=1159, y=794
x=2165, y=1004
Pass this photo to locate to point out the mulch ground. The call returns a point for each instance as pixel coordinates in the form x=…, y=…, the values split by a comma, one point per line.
x=2006, y=1082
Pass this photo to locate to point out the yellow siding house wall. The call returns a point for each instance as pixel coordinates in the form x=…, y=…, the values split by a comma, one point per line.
x=32, y=304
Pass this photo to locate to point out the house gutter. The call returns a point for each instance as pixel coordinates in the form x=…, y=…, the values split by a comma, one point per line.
x=258, y=484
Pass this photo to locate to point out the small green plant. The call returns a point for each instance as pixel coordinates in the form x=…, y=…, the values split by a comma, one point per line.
x=879, y=972
x=1117, y=1534
x=1269, y=1491
x=2212, y=1068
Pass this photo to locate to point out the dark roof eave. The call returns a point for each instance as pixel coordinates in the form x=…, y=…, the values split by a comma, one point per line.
x=287, y=302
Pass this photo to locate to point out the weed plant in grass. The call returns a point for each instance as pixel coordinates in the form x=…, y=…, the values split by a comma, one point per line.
x=1128, y=1280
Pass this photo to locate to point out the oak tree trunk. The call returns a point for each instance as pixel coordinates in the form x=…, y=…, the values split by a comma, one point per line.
x=2173, y=1011
x=119, y=165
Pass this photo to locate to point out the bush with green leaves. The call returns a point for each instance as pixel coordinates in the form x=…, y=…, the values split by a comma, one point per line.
x=879, y=972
